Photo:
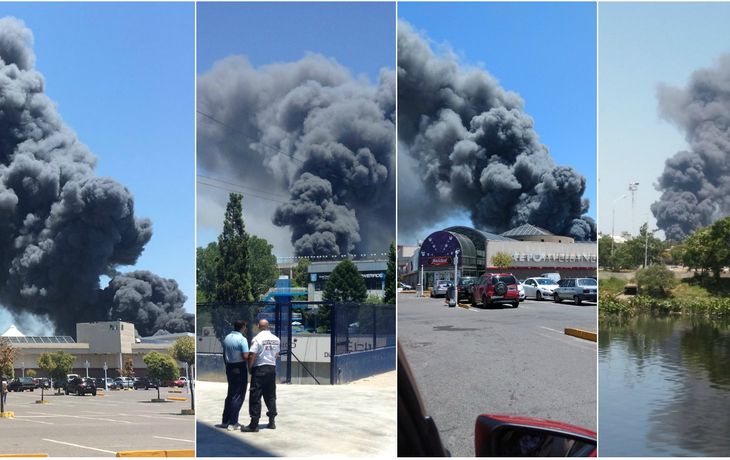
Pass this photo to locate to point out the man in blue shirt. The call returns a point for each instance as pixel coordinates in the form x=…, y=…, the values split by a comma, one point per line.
x=235, y=355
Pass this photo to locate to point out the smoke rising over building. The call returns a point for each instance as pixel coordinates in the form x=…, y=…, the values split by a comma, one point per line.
x=61, y=227
x=695, y=183
x=467, y=146
x=312, y=131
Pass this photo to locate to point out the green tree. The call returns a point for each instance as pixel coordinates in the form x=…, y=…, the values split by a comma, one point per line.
x=604, y=251
x=206, y=267
x=56, y=364
x=502, y=260
x=161, y=367
x=262, y=266
x=301, y=273
x=233, y=280
x=345, y=284
x=7, y=354
x=30, y=373
x=183, y=350
x=655, y=280
x=389, y=294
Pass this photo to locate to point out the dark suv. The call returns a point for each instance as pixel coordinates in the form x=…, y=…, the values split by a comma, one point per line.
x=496, y=288
x=144, y=382
x=22, y=384
x=465, y=286
x=81, y=386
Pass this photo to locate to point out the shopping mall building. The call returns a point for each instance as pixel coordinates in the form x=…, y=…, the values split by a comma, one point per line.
x=533, y=251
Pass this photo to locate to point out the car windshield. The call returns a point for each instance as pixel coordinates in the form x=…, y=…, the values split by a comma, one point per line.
x=544, y=281
x=504, y=279
x=587, y=282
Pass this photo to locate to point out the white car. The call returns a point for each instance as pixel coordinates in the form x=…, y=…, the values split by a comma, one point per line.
x=539, y=288
x=440, y=289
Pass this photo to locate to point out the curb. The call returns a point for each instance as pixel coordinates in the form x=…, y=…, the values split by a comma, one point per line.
x=157, y=453
x=22, y=455
x=176, y=398
x=581, y=334
x=464, y=305
x=174, y=391
x=7, y=414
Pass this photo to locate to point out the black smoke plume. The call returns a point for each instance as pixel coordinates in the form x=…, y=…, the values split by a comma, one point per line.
x=310, y=128
x=695, y=184
x=468, y=146
x=61, y=227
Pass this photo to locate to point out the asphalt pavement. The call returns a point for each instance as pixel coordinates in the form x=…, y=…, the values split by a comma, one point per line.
x=96, y=426
x=513, y=361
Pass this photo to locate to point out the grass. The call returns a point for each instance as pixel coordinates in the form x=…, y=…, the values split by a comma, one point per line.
x=696, y=296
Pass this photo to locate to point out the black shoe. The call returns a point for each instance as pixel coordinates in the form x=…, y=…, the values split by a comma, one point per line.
x=250, y=428
x=272, y=425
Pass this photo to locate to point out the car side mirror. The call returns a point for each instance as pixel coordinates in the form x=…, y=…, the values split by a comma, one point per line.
x=507, y=436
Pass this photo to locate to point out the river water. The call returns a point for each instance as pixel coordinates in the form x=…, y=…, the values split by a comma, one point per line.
x=664, y=387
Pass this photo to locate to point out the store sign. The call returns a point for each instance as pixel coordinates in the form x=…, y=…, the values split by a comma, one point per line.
x=439, y=260
x=553, y=257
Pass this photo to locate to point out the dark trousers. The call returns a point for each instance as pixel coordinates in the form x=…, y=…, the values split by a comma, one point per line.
x=263, y=383
x=237, y=375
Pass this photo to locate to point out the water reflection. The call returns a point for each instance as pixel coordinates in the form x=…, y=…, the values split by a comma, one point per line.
x=664, y=386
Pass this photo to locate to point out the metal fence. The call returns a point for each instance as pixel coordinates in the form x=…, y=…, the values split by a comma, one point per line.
x=352, y=328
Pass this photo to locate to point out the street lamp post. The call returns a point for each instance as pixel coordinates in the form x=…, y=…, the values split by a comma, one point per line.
x=22, y=365
x=86, y=365
x=187, y=377
x=456, y=276
x=613, y=220
x=106, y=385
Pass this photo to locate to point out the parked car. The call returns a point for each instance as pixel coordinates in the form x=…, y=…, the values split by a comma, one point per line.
x=496, y=288
x=60, y=384
x=439, y=290
x=494, y=435
x=404, y=286
x=81, y=386
x=121, y=383
x=22, y=384
x=465, y=286
x=540, y=288
x=553, y=276
x=43, y=382
x=578, y=289
x=146, y=383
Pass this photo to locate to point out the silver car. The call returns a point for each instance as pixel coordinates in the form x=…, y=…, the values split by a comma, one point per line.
x=576, y=289
x=540, y=288
x=440, y=289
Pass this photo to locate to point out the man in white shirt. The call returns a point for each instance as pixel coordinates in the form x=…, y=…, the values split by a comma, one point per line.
x=265, y=349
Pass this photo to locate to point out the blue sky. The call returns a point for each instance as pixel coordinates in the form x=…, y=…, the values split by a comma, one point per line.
x=546, y=52
x=640, y=46
x=123, y=77
x=360, y=36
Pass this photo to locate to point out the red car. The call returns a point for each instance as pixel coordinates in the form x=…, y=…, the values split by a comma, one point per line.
x=494, y=435
x=496, y=288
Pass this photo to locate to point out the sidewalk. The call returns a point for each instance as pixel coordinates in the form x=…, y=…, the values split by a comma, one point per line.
x=358, y=419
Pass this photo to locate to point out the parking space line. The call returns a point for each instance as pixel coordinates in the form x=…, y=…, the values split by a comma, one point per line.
x=21, y=418
x=551, y=329
x=80, y=446
x=173, y=439
x=151, y=416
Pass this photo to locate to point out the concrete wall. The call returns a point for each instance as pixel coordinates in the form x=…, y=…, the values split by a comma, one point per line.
x=354, y=366
x=106, y=336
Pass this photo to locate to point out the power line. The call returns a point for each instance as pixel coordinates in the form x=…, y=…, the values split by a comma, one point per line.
x=241, y=186
x=248, y=136
x=232, y=189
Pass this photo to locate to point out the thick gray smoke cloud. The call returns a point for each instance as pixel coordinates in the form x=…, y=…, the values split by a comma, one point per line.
x=695, y=184
x=61, y=227
x=474, y=149
x=310, y=128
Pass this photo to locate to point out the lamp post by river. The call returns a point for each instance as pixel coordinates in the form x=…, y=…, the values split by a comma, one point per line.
x=613, y=220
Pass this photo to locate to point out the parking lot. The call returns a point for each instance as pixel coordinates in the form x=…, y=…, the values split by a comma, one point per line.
x=501, y=360
x=96, y=426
